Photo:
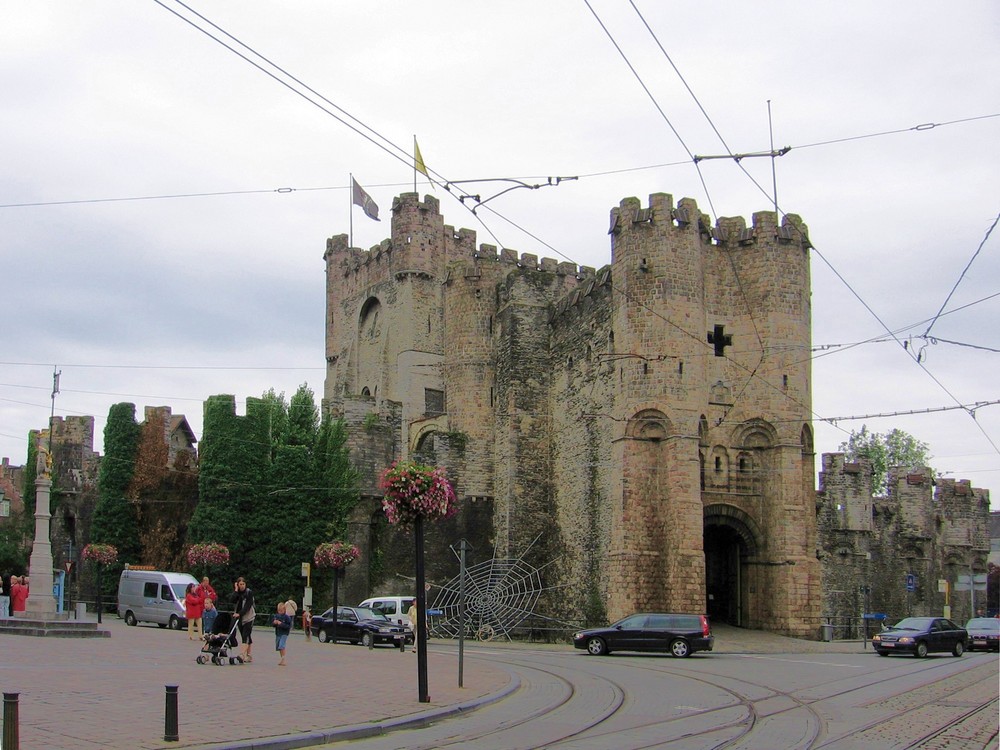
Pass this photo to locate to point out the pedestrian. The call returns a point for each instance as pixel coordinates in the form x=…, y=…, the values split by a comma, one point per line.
x=243, y=610
x=208, y=616
x=194, y=605
x=282, y=627
x=291, y=609
x=307, y=622
x=4, y=597
x=18, y=593
x=411, y=615
x=207, y=591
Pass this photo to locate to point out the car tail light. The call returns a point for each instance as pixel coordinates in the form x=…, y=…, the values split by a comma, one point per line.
x=705, y=629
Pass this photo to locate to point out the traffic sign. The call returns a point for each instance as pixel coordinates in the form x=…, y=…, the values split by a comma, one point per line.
x=911, y=582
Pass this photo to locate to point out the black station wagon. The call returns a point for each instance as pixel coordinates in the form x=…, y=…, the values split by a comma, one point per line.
x=680, y=635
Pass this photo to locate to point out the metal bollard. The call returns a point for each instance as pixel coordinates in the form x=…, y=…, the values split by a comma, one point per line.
x=170, y=716
x=11, y=738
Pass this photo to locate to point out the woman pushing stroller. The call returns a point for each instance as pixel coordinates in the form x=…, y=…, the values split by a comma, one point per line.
x=243, y=610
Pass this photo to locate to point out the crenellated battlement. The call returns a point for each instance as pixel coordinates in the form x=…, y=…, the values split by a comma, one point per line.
x=685, y=216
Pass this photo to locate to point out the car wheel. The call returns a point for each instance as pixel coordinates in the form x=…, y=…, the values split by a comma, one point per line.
x=597, y=646
x=881, y=652
x=921, y=650
x=174, y=623
x=367, y=640
x=130, y=619
x=323, y=636
x=959, y=649
x=680, y=648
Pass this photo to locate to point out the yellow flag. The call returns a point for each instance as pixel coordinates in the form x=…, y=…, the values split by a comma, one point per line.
x=418, y=160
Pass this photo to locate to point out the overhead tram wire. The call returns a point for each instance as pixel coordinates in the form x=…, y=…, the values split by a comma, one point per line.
x=775, y=199
x=406, y=160
x=339, y=119
x=403, y=155
x=697, y=166
x=962, y=275
x=579, y=176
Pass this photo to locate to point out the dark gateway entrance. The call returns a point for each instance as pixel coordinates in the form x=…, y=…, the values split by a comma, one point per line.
x=729, y=543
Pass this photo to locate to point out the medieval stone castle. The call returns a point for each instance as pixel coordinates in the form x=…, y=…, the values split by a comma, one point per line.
x=640, y=434
x=646, y=426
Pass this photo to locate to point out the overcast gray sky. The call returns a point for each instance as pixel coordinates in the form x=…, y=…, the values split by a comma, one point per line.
x=892, y=110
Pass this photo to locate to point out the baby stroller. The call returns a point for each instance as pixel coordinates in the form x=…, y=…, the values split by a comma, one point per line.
x=220, y=640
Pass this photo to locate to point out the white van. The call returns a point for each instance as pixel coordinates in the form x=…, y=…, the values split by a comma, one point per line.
x=153, y=596
x=393, y=607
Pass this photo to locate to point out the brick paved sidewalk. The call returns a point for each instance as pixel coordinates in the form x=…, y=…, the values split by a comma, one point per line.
x=110, y=692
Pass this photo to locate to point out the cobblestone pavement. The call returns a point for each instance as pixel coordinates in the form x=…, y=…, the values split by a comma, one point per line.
x=110, y=692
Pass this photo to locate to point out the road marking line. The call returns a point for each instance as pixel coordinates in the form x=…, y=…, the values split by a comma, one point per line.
x=803, y=661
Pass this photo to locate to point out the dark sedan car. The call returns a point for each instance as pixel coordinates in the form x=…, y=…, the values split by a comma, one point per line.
x=920, y=636
x=360, y=625
x=680, y=635
x=984, y=633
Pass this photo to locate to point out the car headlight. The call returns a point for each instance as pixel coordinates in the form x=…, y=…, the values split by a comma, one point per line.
x=384, y=630
x=877, y=638
x=577, y=636
x=906, y=639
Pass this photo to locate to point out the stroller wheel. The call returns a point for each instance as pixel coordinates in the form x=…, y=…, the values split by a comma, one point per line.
x=232, y=659
x=201, y=659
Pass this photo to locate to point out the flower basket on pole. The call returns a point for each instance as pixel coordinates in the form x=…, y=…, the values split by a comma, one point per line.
x=413, y=492
x=336, y=555
x=207, y=556
x=100, y=555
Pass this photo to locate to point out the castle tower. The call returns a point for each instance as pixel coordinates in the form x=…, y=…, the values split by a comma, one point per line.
x=710, y=326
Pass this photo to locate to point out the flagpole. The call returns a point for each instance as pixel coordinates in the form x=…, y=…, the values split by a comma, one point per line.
x=414, y=162
x=350, y=208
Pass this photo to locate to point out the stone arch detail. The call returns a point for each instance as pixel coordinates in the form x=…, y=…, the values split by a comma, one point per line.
x=740, y=522
x=423, y=429
x=648, y=424
x=808, y=446
x=755, y=433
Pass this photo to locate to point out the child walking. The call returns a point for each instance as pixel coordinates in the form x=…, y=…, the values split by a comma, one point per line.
x=282, y=626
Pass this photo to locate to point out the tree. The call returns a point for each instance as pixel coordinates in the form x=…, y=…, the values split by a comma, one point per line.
x=115, y=520
x=234, y=455
x=892, y=449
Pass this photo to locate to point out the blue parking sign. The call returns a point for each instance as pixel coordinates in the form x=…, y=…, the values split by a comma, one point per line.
x=911, y=582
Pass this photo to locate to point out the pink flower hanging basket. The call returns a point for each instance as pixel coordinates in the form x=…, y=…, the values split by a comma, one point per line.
x=208, y=554
x=412, y=490
x=336, y=555
x=102, y=554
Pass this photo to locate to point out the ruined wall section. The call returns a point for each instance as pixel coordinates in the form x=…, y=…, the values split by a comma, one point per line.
x=847, y=537
x=932, y=529
x=75, y=467
x=584, y=383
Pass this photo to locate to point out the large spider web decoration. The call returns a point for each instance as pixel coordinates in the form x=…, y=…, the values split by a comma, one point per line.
x=500, y=594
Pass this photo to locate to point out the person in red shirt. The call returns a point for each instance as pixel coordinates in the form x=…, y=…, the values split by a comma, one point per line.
x=207, y=592
x=194, y=606
x=18, y=594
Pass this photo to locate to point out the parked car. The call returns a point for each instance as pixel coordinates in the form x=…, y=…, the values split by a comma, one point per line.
x=680, y=635
x=360, y=625
x=920, y=636
x=984, y=633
